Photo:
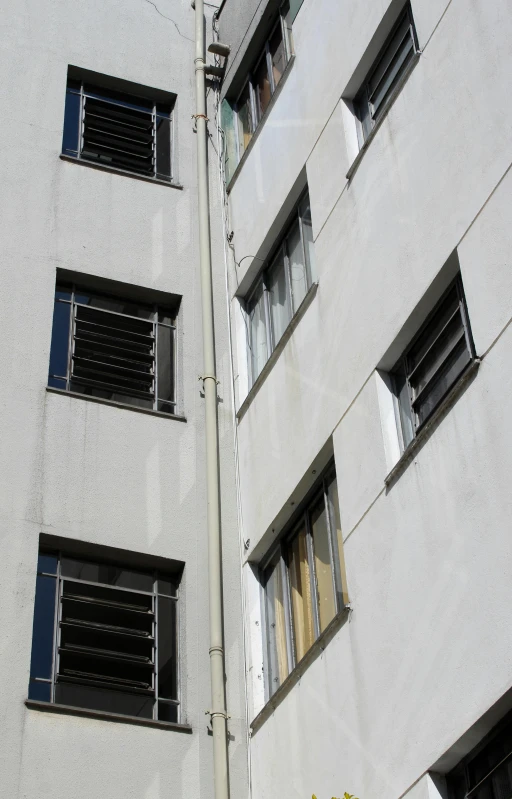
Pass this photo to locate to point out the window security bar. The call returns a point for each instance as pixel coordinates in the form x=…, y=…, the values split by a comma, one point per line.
x=103, y=352
x=117, y=130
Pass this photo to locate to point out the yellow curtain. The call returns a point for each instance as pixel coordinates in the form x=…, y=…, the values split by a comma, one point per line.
x=280, y=630
x=302, y=609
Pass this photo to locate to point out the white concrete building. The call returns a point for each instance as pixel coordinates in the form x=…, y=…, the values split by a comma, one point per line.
x=397, y=129
x=361, y=239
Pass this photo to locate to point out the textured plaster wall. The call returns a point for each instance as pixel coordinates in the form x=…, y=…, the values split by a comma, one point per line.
x=88, y=471
x=426, y=651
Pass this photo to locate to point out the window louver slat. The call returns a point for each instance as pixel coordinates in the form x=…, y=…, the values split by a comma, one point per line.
x=121, y=136
x=116, y=363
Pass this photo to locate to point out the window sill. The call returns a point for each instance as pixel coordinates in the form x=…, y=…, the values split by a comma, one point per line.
x=115, y=404
x=103, y=715
x=261, y=123
x=103, y=168
x=276, y=352
x=392, y=97
x=293, y=678
x=425, y=432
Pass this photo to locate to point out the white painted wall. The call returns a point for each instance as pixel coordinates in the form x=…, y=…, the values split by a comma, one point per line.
x=84, y=470
x=427, y=650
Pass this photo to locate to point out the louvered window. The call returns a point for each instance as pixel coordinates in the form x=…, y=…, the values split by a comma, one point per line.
x=486, y=773
x=117, y=130
x=113, y=348
x=390, y=65
x=105, y=637
x=434, y=362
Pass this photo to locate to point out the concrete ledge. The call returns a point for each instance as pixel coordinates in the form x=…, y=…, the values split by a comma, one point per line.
x=104, y=168
x=276, y=352
x=261, y=123
x=293, y=678
x=429, y=426
x=391, y=99
x=68, y=710
x=113, y=403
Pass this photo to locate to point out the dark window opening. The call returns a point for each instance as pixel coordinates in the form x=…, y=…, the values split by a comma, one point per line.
x=486, y=773
x=391, y=63
x=434, y=362
x=117, y=130
x=104, y=346
x=105, y=638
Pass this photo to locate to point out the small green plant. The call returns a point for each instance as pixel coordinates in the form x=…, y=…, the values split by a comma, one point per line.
x=345, y=796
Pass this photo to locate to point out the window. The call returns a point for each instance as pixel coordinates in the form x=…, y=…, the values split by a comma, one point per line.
x=434, y=362
x=486, y=773
x=243, y=113
x=281, y=288
x=303, y=582
x=105, y=637
x=391, y=63
x=117, y=130
x=108, y=347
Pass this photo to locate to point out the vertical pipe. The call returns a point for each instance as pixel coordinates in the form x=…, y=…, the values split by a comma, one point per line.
x=218, y=708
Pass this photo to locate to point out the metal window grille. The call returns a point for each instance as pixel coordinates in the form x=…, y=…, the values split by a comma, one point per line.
x=282, y=285
x=486, y=773
x=262, y=80
x=113, y=348
x=105, y=638
x=323, y=585
x=436, y=359
x=117, y=130
x=390, y=65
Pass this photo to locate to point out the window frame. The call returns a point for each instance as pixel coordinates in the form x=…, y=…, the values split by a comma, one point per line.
x=250, y=82
x=92, y=91
x=155, y=594
x=408, y=422
x=280, y=551
x=366, y=119
x=262, y=282
x=156, y=309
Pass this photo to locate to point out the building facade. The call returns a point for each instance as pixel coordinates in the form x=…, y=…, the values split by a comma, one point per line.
x=359, y=158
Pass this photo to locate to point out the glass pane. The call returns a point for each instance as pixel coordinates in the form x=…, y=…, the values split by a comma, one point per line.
x=40, y=691
x=111, y=701
x=404, y=405
x=167, y=586
x=60, y=339
x=334, y=506
x=434, y=326
x=167, y=662
x=43, y=628
x=257, y=333
x=297, y=266
x=323, y=565
x=307, y=232
x=262, y=86
x=448, y=375
x=163, y=147
x=47, y=562
x=280, y=311
x=245, y=121
x=71, y=132
x=62, y=293
x=276, y=626
x=302, y=608
x=277, y=53
x=167, y=712
x=165, y=366
x=107, y=573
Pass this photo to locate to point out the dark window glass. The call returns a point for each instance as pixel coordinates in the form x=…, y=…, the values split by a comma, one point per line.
x=116, y=649
x=263, y=87
x=167, y=676
x=107, y=347
x=486, y=773
x=43, y=629
x=47, y=562
x=167, y=712
x=277, y=52
x=118, y=130
x=434, y=362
